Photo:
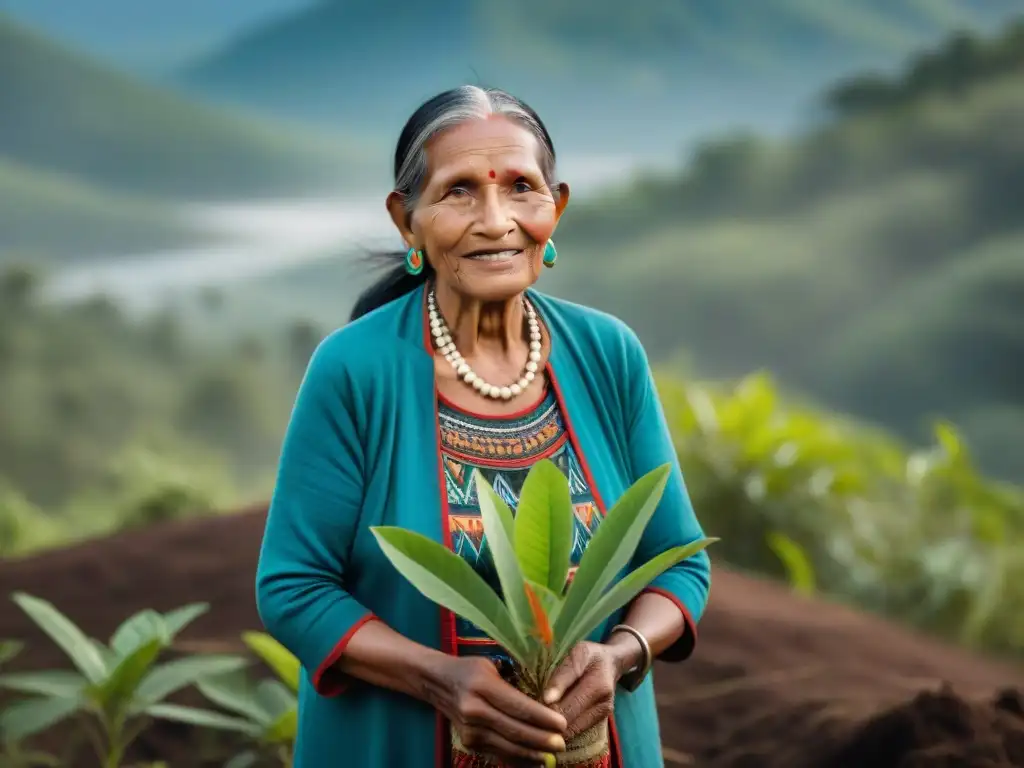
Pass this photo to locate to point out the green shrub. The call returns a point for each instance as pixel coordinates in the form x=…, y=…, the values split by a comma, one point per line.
x=799, y=494
x=116, y=689
x=270, y=706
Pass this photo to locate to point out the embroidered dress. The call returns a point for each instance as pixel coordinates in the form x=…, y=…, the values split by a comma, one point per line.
x=504, y=448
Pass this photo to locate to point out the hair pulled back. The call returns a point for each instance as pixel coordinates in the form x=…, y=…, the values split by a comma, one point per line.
x=444, y=111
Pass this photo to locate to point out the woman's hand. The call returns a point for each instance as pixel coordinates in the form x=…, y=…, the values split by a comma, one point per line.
x=583, y=687
x=492, y=716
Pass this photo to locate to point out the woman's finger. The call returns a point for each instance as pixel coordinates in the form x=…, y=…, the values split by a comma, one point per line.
x=566, y=676
x=488, y=741
x=525, y=734
x=519, y=706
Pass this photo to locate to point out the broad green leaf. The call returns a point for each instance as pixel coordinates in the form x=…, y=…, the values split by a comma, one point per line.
x=27, y=718
x=65, y=634
x=611, y=547
x=110, y=658
x=180, y=618
x=284, y=729
x=58, y=683
x=544, y=526
x=116, y=693
x=448, y=580
x=242, y=760
x=174, y=675
x=625, y=590
x=138, y=630
x=799, y=570
x=275, y=698
x=497, y=520
x=275, y=656
x=203, y=718
x=236, y=692
x=9, y=649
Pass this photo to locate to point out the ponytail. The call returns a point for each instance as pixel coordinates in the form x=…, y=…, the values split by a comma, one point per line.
x=394, y=284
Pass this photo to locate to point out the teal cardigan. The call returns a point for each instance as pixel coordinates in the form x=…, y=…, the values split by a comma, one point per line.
x=362, y=449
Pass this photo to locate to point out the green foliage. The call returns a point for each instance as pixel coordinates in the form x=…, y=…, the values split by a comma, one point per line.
x=270, y=706
x=112, y=421
x=539, y=620
x=962, y=62
x=118, y=687
x=839, y=508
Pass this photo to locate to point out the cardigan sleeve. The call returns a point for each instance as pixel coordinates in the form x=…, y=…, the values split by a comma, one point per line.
x=674, y=523
x=314, y=512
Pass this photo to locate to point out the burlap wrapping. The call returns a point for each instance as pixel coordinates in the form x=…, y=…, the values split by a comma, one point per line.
x=591, y=749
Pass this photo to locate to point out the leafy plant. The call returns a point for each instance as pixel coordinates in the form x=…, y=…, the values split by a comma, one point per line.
x=8, y=650
x=270, y=707
x=539, y=620
x=117, y=688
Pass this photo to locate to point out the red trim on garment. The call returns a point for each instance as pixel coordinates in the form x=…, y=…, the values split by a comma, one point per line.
x=615, y=745
x=691, y=625
x=337, y=683
x=442, y=746
x=584, y=466
x=494, y=416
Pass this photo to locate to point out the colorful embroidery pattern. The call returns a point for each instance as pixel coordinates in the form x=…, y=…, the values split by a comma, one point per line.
x=503, y=449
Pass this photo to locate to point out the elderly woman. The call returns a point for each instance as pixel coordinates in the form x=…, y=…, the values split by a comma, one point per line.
x=453, y=362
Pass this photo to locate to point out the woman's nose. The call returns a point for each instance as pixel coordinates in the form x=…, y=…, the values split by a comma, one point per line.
x=494, y=219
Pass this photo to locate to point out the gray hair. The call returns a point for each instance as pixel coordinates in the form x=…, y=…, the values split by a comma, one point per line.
x=452, y=108
x=444, y=111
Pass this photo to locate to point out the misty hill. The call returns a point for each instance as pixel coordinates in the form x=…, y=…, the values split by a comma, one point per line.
x=64, y=112
x=865, y=261
x=46, y=217
x=586, y=67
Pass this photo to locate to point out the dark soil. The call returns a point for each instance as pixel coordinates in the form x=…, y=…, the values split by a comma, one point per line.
x=777, y=681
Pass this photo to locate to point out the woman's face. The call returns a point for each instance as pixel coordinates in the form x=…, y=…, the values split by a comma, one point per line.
x=485, y=212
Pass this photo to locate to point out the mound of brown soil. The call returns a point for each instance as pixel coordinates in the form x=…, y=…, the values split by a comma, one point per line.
x=777, y=681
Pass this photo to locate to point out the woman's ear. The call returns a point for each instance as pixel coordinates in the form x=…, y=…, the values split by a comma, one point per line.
x=400, y=217
x=561, y=200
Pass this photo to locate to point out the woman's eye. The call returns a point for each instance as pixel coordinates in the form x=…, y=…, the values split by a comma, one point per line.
x=457, y=192
x=522, y=186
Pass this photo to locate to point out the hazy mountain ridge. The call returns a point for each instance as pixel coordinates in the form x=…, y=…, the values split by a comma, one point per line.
x=893, y=238
x=148, y=36
x=92, y=158
x=66, y=112
x=360, y=63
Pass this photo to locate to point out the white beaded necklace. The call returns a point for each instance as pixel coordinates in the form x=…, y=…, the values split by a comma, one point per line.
x=446, y=346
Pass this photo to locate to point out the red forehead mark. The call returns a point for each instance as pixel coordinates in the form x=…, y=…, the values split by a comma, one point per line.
x=492, y=174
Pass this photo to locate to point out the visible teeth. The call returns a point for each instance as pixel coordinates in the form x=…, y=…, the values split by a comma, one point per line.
x=503, y=256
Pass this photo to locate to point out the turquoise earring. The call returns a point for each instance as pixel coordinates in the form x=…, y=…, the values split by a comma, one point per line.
x=414, y=261
x=550, y=254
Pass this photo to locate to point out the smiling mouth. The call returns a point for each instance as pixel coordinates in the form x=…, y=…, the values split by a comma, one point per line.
x=492, y=256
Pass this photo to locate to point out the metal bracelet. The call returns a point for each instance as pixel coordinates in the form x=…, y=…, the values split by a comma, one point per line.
x=631, y=680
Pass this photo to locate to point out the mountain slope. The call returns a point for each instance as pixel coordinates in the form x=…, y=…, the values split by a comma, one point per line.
x=583, y=66
x=66, y=113
x=150, y=36
x=874, y=262
x=46, y=217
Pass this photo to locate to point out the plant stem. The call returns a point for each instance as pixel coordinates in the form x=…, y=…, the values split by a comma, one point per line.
x=95, y=738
